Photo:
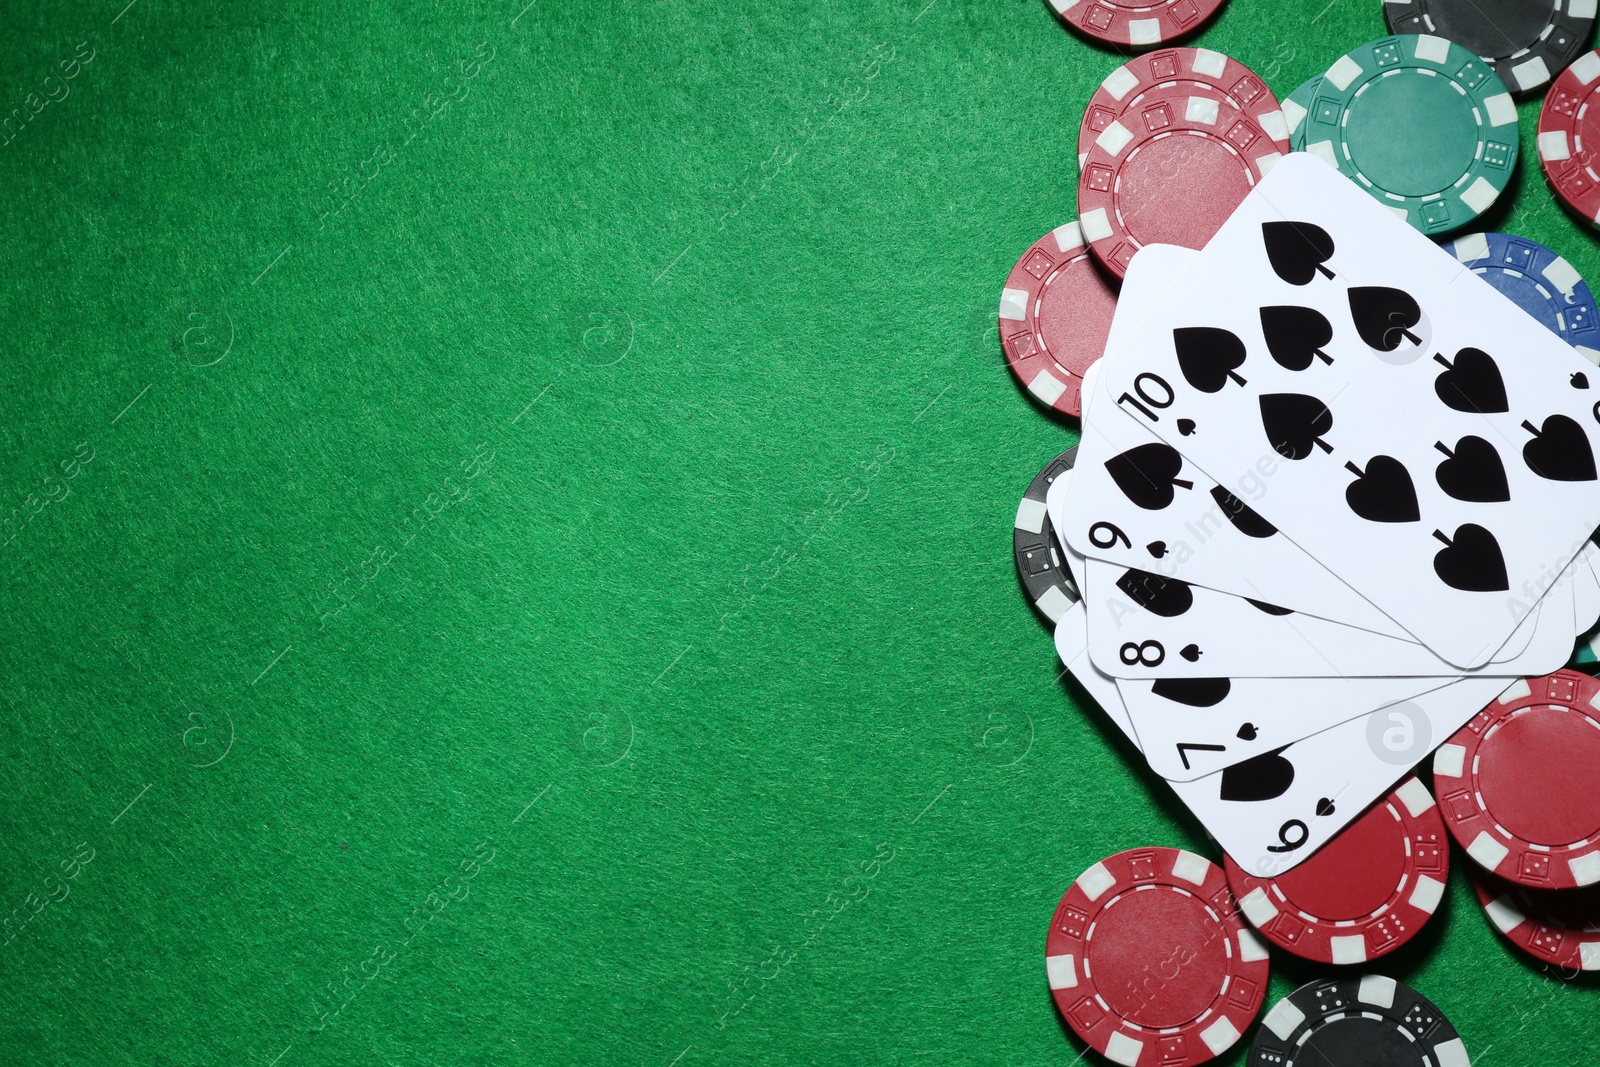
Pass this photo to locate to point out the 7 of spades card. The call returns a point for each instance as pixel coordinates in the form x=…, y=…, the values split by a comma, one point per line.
x=1431, y=443
x=1275, y=809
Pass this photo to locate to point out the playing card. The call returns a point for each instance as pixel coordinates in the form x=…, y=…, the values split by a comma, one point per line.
x=1136, y=501
x=1192, y=727
x=1142, y=625
x=1271, y=812
x=1417, y=433
x=1536, y=647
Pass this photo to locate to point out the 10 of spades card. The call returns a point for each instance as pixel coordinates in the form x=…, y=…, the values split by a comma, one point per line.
x=1428, y=447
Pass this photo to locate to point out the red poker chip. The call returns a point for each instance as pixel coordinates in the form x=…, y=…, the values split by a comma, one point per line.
x=1558, y=926
x=1519, y=785
x=1569, y=134
x=1169, y=170
x=1135, y=22
x=1198, y=71
x=1055, y=316
x=1365, y=893
x=1149, y=962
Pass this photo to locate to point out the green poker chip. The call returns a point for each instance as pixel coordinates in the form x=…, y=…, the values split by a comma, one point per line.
x=1421, y=123
x=1296, y=109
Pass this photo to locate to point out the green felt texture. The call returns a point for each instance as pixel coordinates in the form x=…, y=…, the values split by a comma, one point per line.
x=601, y=523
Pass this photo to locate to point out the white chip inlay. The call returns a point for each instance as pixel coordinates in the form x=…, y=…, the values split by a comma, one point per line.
x=1047, y=387
x=1487, y=851
x=1031, y=515
x=1062, y=971
x=1013, y=304
x=1504, y=915
x=1586, y=868
x=1069, y=237
x=1472, y=247
x=1349, y=949
x=1432, y=49
x=1124, y=1050
x=1284, y=1019
x=1415, y=796
x=1191, y=868
x=1426, y=896
x=1095, y=881
x=1220, y=1036
x=1480, y=195
x=1377, y=990
x=1553, y=146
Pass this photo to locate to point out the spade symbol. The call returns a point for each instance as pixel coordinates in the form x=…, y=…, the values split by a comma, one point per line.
x=1472, y=561
x=1207, y=356
x=1193, y=692
x=1264, y=777
x=1384, y=493
x=1325, y=807
x=1560, y=451
x=1240, y=514
x=1157, y=549
x=1383, y=316
x=1247, y=732
x=1186, y=427
x=1580, y=380
x=1166, y=597
x=1473, y=384
x=1295, y=334
x=1191, y=652
x=1147, y=474
x=1270, y=609
x=1294, y=422
x=1473, y=472
x=1297, y=250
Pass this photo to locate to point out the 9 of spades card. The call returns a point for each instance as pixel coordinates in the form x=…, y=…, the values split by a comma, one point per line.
x=1427, y=441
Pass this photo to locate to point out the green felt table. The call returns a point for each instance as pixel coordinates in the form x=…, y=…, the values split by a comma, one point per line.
x=509, y=551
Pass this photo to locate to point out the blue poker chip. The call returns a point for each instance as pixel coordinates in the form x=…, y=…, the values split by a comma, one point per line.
x=1538, y=281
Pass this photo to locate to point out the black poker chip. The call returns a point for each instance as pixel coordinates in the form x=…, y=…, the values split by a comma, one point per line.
x=1370, y=1021
x=1526, y=42
x=1041, y=562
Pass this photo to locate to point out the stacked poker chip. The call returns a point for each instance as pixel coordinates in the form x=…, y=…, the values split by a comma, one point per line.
x=1519, y=788
x=1157, y=955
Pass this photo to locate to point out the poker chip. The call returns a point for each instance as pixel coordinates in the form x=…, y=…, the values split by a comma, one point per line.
x=1526, y=44
x=1135, y=22
x=1149, y=963
x=1569, y=131
x=1558, y=926
x=1041, y=562
x=1422, y=124
x=1519, y=785
x=1169, y=170
x=1295, y=109
x=1538, y=281
x=1055, y=316
x=1196, y=70
x=1362, y=895
x=1342, y=1022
